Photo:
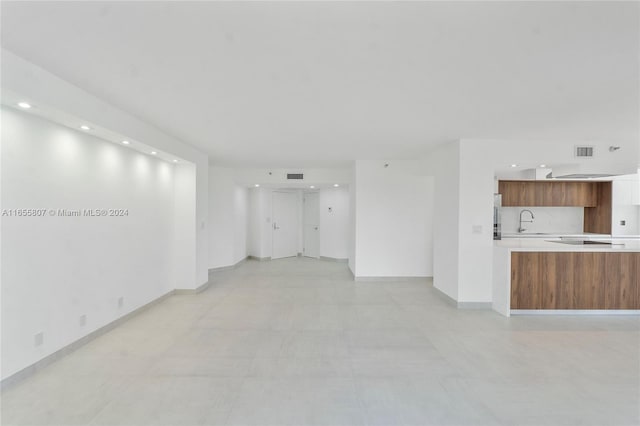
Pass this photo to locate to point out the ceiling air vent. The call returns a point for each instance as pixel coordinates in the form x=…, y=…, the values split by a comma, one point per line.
x=295, y=176
x=584, y=151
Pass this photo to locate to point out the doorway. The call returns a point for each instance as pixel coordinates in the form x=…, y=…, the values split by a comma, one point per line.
x=311, y=220
x=285, y=224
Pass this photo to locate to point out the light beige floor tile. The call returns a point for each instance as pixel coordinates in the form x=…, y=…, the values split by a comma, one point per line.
x=298, y=342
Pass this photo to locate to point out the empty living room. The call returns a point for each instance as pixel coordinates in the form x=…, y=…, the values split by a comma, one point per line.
x=325, y=213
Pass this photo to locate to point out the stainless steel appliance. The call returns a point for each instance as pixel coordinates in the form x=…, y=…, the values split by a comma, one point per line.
x=497, y=216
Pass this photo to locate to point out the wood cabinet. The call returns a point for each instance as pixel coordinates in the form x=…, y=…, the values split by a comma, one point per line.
x=597, y=219
x=548, y=194
x=575, y=280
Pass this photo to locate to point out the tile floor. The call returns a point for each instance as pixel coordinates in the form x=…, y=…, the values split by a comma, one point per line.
x=297, y=342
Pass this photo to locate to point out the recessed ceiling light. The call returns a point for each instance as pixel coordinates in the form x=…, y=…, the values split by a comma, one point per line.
x=153, y=153
x=312, y=187
x=543, y=165
x=336, y=185
x=84, y=127
x=514, y=165
x=126, y=142
x=24, y=105
x=257, y=185
x=175, y=161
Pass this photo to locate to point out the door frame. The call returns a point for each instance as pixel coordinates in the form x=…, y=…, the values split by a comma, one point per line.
x=304, y=230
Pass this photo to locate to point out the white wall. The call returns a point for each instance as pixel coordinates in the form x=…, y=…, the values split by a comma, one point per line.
x=55, y=269
x=64, y=100
x=334, y=224
x=352, y=224
x=184, y=238
x=626, y=205
x=241, y=223
x=444, y=165
x=394, y=209
x=277, y=178
x=228, y=219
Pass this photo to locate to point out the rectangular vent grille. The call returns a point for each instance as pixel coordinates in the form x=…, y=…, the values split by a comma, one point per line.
x=584, y=151
x=295, y=176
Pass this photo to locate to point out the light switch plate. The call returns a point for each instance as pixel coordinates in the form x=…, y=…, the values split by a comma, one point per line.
x=476, y=229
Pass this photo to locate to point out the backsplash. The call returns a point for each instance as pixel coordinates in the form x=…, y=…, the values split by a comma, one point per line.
x=566, y=220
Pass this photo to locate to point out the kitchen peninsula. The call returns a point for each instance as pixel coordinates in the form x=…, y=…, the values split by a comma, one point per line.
x=566, y=276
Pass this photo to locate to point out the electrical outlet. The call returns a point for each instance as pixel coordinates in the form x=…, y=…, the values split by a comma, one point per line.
x=623, y=223
x=83, y=320
x=120, y=302
x=38, y=339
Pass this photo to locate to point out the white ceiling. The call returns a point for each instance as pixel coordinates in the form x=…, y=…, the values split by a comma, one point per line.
x=293, y=84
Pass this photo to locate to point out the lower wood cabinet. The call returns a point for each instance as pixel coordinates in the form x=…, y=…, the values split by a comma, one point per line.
x=575, y=280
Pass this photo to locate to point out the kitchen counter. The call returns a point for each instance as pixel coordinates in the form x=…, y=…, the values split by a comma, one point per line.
x=550, y=244
x=551, y=277
x=554, y=235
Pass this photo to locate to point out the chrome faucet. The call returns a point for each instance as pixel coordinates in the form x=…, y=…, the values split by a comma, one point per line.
x=521, y=229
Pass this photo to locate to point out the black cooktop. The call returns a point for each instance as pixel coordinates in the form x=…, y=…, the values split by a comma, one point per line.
x=583, y=242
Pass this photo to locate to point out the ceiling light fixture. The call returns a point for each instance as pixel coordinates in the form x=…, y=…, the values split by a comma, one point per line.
x=24, y=105
x=153, y=153
x=335, y=185
x=85, y=127
x=175, y=161
x=126, y=142
x=543, y=165
x=257, y=185
x=312, y=187
x=514, y=165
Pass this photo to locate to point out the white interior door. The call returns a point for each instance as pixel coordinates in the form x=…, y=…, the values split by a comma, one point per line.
x=285, y=224
x=311, y=225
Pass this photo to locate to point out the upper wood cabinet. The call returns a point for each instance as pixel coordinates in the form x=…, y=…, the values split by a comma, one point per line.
x=548, y=194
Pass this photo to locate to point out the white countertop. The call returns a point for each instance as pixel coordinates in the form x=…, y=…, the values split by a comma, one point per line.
x=554, y=235
x=541, y=244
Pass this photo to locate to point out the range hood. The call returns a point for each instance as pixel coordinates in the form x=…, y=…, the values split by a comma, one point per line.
x=580, y=176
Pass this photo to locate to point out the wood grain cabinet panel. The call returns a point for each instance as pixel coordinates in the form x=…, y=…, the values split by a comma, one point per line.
x=548, y=194
x=517, y=193
x=575, y=280
x=588, y=280
x=598, y=219
x=526, y=283
x=622, y=280
x=557, y=280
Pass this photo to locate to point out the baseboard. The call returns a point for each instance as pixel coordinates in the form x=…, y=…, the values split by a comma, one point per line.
x=199, y=289
x=334, y=259
x=403, y=279
x=475, y=305
x=445, y=297
x=259, y=259
x=462, y=305
x=228, y=267
x=71, y=347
